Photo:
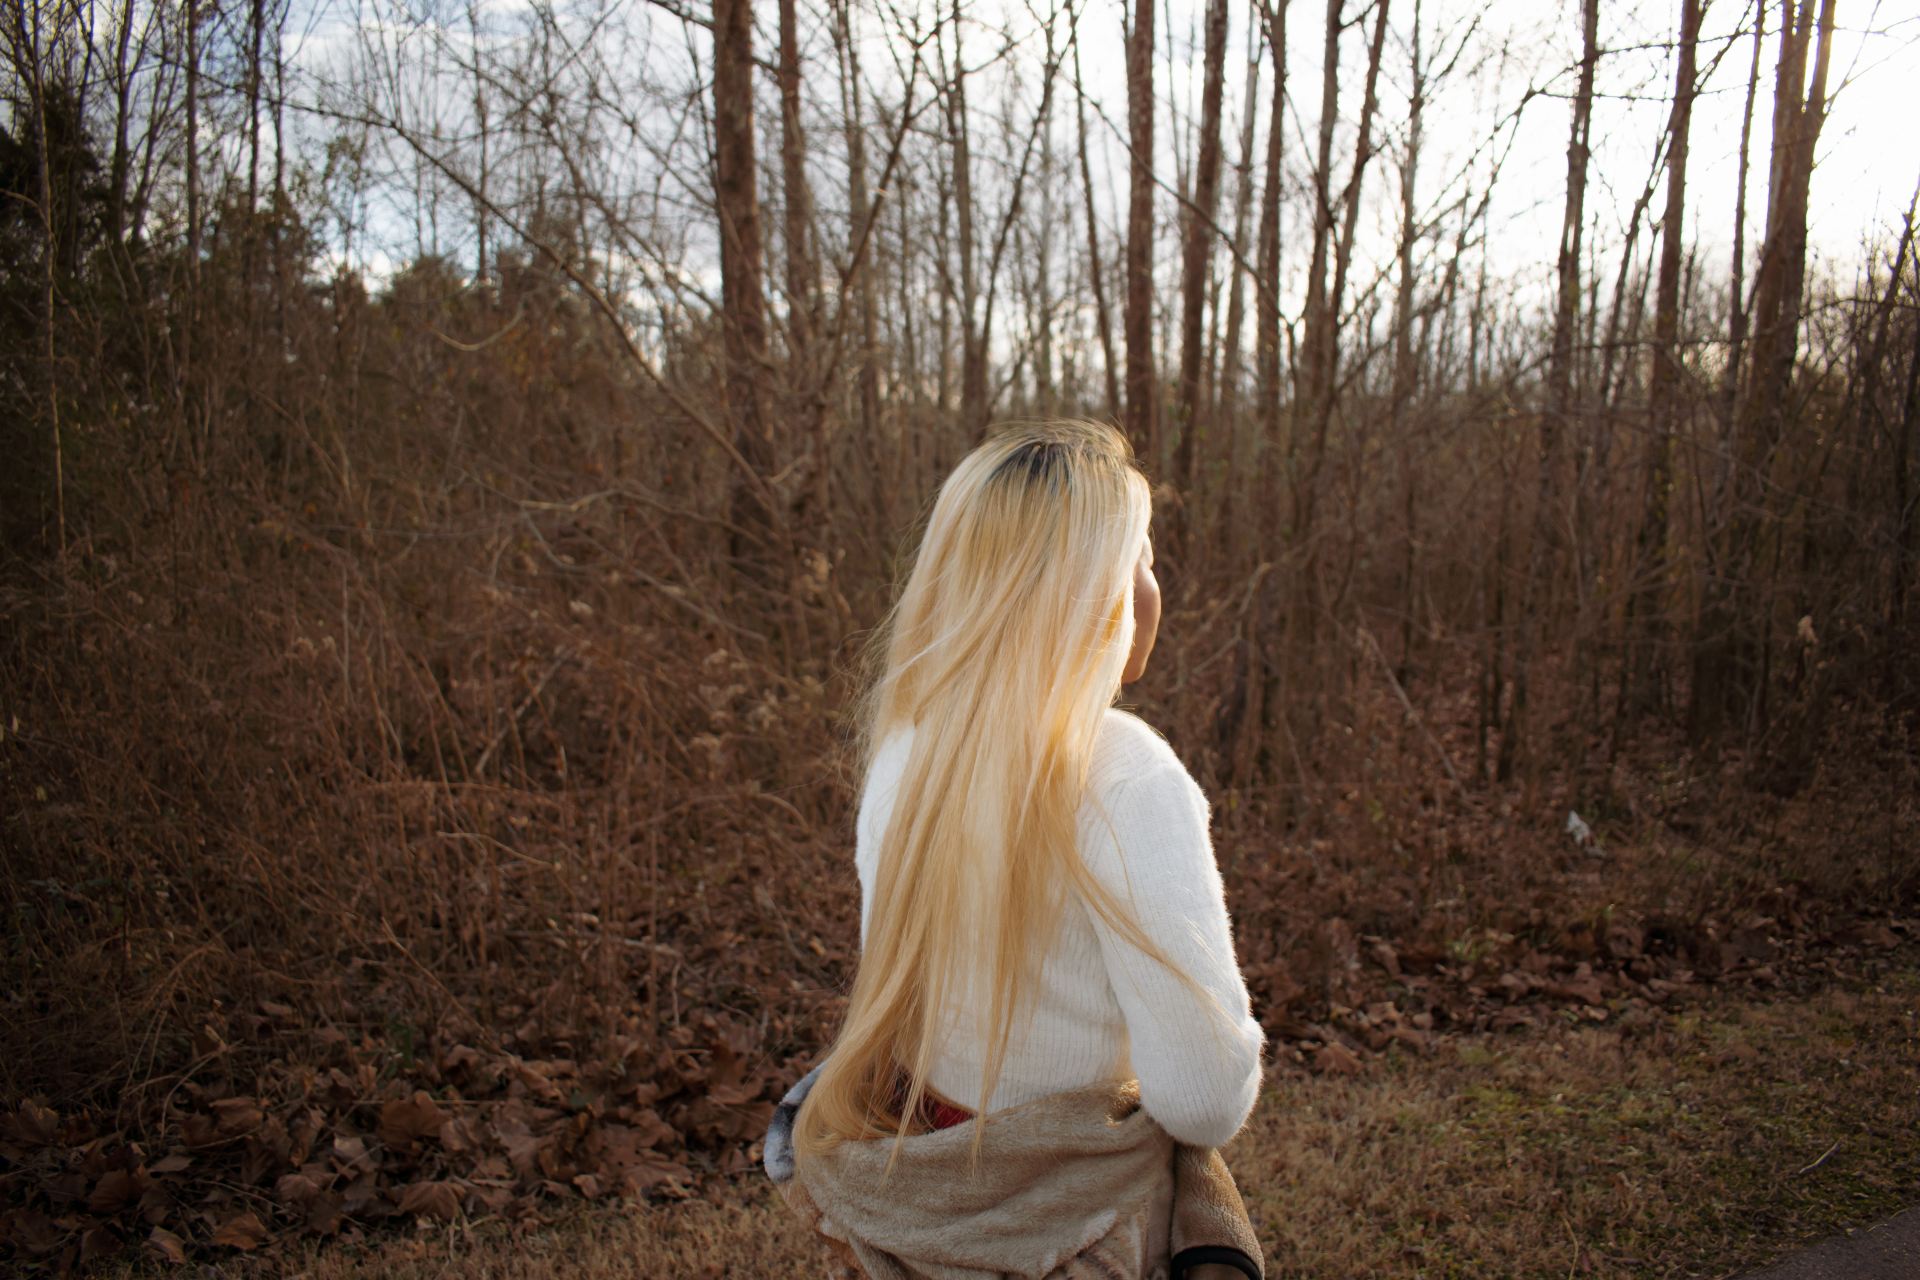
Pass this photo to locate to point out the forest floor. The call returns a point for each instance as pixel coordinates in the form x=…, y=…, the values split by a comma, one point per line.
x=1736, y=1123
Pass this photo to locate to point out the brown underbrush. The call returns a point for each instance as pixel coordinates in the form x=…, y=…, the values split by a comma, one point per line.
x=413, y=812
x=359, y=881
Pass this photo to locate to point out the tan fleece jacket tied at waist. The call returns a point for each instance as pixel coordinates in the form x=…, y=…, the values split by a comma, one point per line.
x=1074, y=1185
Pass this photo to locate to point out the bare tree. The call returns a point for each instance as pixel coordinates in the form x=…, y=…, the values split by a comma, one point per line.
x=1405, y=368
x=193, y=139
x=1227, y=395
x=1320, y=344
x=1096, y=262
x=1557, y=416
x=973, y=346
x=1198, y=240
x=1731, y=655
x=859, y=211
x=1266, y=342
x=1141, y=415
x=483, y=137
x=743, y=303
x=1244, y=728
x=802, y=283
x=1736, y=288
x=1781, y=275
x=1906, y=489
x=1663, y=385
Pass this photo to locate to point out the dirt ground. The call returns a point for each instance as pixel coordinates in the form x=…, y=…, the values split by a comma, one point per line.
x=1700, y=1139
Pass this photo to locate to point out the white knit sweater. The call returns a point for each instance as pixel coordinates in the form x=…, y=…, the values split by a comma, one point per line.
x=1103, y=1009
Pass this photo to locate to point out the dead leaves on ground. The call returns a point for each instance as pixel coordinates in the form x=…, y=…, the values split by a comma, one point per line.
x=337, y=1136
x=357, y=1140
x=1408, y=999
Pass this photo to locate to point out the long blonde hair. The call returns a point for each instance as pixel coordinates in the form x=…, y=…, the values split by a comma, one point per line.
x=1004, y=650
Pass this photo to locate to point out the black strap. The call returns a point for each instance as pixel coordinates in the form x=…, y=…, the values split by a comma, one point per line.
x=1222, y=1254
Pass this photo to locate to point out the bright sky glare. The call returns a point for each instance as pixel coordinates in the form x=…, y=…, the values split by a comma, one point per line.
x=1869, y=154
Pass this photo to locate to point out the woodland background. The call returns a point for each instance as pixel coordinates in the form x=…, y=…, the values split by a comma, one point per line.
x=449, y=477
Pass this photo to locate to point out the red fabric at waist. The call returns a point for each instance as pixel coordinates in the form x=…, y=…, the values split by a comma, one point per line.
x=942, y=1115
x=935, y=1112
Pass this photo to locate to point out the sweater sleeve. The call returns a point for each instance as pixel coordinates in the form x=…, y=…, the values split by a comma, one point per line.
x=1199, y=1075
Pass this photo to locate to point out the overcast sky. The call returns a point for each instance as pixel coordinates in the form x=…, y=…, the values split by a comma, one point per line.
x=1869, y=154
x=1868, y=159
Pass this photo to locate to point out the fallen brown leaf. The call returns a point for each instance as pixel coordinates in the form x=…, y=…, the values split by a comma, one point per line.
x=114, y=1190
x=32, y=1124
x=167, y=1245
x=1336, y=1059
x=243, y=1231
x=405, y=1122
x=439, y=1200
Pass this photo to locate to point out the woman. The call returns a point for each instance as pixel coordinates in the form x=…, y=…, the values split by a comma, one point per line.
x=1042, y=919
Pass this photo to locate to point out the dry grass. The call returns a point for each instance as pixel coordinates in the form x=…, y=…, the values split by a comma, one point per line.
x=1669, y=1145
x=1687, y=1142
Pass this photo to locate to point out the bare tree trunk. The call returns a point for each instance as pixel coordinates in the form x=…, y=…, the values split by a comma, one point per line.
x=1210, y=365
x=189, y=326
x=1043, y=374
x=1244, y=729
x=1232, y=369
x=1320, y=355
x=1906, y=529
x=1405, y=370
x=1729, y=658
x=1708, y=660
x=802, y=285
x=1557, y=419
x=1314, y=321
x=1781, y=275
x=1611, y=346
x=913, y=439
x=973, y=354
x=1558, y=422
x=859, y=204
x=1266, y=329
x=743, y=304
x=805, y=385
x=256, y=25
x=193, y=143
x=1199, y=240
x=1736, y=290
x=119, y=166
x=1096, y=269
x=1645, y=605
x=943, y=377
x=485, y=134
x=280, y=206
x=35, y=49
x=1476, y=322
x=1141, y=417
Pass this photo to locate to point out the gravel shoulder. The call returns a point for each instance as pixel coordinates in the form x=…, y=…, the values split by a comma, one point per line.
x=1887, y=1250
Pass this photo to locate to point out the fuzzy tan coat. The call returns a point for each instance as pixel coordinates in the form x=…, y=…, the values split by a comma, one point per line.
x=1076, y=1185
